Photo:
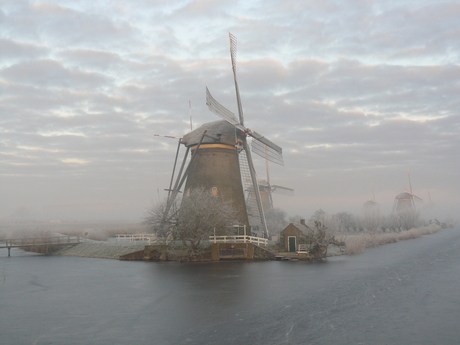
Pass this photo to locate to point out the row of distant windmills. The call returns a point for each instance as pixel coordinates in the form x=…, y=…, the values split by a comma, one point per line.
x=221, y=162
x=404, y=201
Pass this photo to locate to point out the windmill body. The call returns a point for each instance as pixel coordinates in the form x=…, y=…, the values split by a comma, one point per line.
x=216, y=166
x=405, y=202
x=266, y=190
x=265, y=194
x=371, y=209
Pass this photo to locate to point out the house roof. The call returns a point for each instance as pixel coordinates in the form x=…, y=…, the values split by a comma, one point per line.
x=302, y=228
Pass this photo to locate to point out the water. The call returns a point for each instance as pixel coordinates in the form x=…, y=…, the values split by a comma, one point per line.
x=403, y=293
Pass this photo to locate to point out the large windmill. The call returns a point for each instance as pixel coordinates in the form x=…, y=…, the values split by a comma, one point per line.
x=271, y=152
x=406, y=201
x=221, y=160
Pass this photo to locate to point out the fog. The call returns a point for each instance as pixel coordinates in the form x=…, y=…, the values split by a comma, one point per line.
x=354, y=94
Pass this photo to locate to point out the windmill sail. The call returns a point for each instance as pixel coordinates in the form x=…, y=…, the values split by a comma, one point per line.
x=413, y=195
x=254, y=215
x=221, y=111
x=266, y=149
x=282, y=190
x=269, y=151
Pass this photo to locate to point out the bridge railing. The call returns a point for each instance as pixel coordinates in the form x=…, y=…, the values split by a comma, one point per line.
x=136, y=237
x=239, y=239
x=37, y=241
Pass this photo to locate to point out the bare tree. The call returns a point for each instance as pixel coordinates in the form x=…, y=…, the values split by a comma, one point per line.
x=406, y=220
x=319, y=240
x=345, y=221
x=192, y=220
x=318, y=216
x=276, y=220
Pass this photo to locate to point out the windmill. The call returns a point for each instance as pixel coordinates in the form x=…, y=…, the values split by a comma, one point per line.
x=371, y=213
x=265, y=188
x=221, y=160
x=371, y=205
x=272, y=152
x=406, y=201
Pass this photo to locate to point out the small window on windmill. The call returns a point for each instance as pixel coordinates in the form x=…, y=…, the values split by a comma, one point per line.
x=214, y=191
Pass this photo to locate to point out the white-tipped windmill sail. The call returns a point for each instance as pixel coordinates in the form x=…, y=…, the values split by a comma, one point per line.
x=248, y=173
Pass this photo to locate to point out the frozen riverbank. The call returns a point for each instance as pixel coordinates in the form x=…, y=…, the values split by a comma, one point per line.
x=355, y=243
x=105, y=250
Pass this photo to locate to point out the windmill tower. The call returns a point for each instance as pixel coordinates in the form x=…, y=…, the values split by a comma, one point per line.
x=221, y=160
x=406, y=201
x=215, y=165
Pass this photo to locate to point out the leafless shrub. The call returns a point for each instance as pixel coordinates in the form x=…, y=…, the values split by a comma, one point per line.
x=192, y=220
x=276, y=221
x=319, y=239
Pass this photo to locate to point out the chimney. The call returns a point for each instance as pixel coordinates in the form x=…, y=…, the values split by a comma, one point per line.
x=302, y=221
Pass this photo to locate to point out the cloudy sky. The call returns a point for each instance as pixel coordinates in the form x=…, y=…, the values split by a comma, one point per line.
x=355, y=92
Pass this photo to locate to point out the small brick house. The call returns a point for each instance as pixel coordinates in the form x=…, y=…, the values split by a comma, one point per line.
x=292, y=236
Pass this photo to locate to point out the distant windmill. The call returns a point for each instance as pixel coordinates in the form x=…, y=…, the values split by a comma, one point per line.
x=265, y=188
x=371, y=213
x=406, y=201
x=221, y=161
x=370, y=206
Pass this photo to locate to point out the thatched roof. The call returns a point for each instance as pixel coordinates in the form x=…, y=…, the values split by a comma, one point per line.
x=370, y=203
x=403, y=196
x=226, y=132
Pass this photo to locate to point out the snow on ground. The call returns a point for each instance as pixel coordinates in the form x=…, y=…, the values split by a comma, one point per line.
x=106, y=250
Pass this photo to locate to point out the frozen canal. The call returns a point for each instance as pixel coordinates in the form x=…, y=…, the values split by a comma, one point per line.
x=403, y=293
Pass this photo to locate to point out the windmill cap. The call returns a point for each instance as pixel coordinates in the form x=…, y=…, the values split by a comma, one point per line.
x=216, y=129
x=370, y=203
x=403, y=196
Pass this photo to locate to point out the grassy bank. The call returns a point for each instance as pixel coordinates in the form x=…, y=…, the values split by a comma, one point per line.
x=356, y=243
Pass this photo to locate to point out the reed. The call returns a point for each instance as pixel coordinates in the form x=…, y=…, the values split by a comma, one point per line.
x=356, y=243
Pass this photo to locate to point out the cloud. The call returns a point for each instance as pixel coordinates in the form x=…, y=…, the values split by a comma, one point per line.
x=354, y=93
x=17, y=50
x=100, y=60
x=52, y=73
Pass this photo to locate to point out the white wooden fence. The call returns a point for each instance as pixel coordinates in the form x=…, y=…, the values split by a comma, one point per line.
x=239, y=239
x=150, y=238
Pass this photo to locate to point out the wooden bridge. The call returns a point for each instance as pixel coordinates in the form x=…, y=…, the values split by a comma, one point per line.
x=42, y=243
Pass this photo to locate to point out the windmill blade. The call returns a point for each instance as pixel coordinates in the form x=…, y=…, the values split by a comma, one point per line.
x=253, y=201
x=266, y=148
x=413, y=195
x=282, y=190
x=233, y=43
x=221, y=111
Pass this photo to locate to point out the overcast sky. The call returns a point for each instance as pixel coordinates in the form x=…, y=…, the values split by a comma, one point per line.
x=355, y=92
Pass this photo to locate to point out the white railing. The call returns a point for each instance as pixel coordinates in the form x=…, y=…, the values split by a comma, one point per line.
x=150, y=238
x=239, y=239
x=302, y=248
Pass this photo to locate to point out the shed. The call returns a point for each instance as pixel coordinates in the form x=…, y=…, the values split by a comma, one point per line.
x=292, y=236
